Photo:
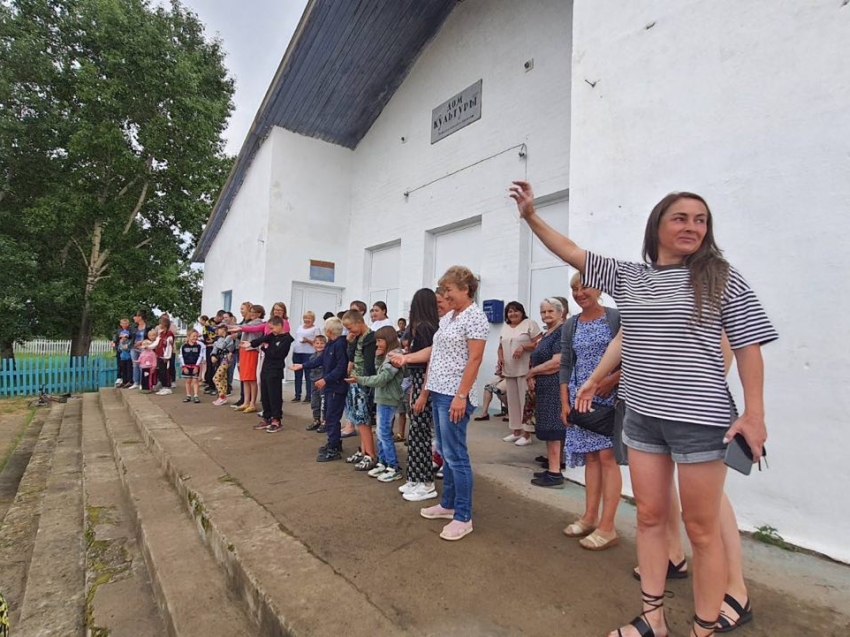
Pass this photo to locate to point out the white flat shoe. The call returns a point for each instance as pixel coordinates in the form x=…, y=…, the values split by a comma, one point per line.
x=511, y=438
x=524, y=442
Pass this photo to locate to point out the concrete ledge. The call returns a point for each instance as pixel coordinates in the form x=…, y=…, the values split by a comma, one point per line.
x=115, y=568
x=20, y=524
x=187, y=583
x=18, y=461
x=54, y=602
x=276, y=575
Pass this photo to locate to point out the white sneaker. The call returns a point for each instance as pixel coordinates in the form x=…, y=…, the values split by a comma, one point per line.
x=408, y=486
x=118, y=382
x=421, y=492
x=377, y=470
x=135, y=386
x=524, y=442
x=390, y=475
x=164, y=392
x=511, y=438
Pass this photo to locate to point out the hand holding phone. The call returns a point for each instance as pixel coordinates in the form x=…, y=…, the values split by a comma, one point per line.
x=739, y=456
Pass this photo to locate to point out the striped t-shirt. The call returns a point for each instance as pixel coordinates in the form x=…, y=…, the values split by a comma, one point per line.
x=672, y=365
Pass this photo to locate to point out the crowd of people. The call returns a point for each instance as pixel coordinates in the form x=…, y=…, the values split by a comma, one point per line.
x=643, y=384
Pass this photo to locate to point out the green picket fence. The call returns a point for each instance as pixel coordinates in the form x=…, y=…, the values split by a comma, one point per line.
x=57, y=374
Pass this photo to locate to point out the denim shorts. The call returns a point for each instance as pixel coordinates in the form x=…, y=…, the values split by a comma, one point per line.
x=685, y=442
x=357, y=405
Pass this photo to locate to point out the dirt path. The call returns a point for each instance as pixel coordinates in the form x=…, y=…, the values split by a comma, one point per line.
x=515, y=575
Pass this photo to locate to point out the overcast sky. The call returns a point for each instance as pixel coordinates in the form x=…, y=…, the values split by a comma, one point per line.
x=255, y=34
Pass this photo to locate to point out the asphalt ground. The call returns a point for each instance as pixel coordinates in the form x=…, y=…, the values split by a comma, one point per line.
x=516, y=574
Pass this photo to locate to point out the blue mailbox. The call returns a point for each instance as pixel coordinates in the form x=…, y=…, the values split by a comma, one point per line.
x=494, y=309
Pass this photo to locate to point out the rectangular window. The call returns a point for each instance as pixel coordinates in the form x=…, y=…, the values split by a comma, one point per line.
x=226, y=300
x=322, y=271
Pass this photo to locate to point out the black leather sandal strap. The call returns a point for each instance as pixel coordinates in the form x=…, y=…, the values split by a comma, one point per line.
x=705, y=625
x=642, y=626
x=733, y=603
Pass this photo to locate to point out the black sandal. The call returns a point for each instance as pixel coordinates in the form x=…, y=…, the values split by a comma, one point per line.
x=641, y=622
x=674, y=571
x=745, y=615
x=704, y=624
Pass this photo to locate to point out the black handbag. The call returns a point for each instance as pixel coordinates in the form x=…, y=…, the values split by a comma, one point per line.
x=599, y=420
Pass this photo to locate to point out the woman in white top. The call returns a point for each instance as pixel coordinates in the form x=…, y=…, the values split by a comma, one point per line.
x=378, y=314
x=302, y=350
x=518, y=338
x=456, y=355
x=674, y=308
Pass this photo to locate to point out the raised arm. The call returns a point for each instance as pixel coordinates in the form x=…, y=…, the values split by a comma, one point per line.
x=565, y=248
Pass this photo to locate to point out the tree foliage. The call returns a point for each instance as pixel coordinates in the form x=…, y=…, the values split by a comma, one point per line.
x=111, y=155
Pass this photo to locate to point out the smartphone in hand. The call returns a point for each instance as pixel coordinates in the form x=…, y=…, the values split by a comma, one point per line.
x=739, y=456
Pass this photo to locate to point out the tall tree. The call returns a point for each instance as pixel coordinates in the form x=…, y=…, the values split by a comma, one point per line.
x=111, y=154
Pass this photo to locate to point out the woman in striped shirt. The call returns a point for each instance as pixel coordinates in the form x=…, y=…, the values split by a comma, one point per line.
x=674, y=308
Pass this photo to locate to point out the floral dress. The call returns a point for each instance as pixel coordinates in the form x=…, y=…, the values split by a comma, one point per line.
x=589, y=344
x=547, y=389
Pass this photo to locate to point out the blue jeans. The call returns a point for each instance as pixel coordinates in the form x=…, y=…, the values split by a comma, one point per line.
x=299, y=358
x=386, y=446
x=137, y=373
x=451, y=444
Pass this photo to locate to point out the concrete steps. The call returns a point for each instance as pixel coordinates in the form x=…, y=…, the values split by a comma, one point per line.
x=64, y=521
x=189, y=587
x=16, y=465
x=283, y=585
x=54, y=598
x=19, y=527
x=115, y=568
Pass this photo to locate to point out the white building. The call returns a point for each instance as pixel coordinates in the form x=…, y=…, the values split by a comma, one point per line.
x=604, y=107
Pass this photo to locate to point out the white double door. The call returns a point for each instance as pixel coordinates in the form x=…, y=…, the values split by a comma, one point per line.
x=318, y=299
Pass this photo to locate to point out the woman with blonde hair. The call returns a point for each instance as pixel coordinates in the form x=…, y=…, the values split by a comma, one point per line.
x=585, y=338
x=456, y=355
x=302, y=350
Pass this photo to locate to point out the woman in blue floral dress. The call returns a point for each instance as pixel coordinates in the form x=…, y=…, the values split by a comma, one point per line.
x=542, y=380
x=590, y=333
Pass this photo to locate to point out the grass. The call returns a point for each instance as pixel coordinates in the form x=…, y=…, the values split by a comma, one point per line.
x=767, y=534
x=16, y=405
x=20, y=434
x=31, y=357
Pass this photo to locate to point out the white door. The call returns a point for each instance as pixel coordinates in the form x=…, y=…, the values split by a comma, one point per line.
x=549, y=276
x=458, y=246
x=316, y=298
x=545, y=282
x=382, y=281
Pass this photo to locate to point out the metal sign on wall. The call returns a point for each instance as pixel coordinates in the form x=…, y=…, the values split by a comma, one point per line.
x=457, y=112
